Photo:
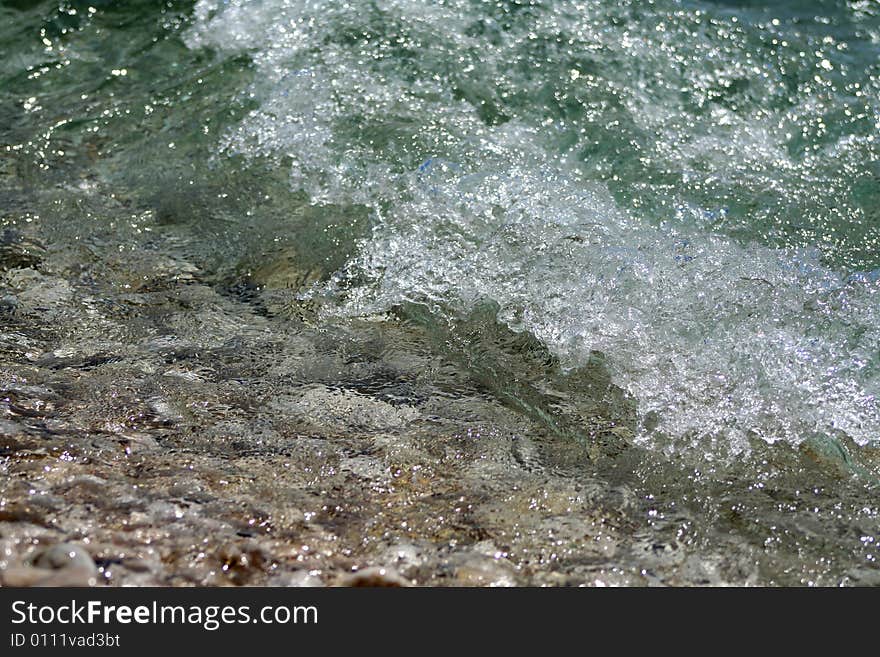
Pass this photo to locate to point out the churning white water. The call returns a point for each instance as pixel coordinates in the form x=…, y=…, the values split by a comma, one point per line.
x=688, y=192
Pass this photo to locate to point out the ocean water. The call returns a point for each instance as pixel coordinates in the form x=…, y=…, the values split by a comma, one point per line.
x=650, y=228
x=688, y=188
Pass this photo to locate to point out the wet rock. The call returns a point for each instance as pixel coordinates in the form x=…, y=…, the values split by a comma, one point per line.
x=17, y=250
x=139, y=443
x=8, y=303
x=83, y=484
x=163, y=511
x=47, y=501
x=481, y=570
x=279, y=280
x=299, y=578
x=862, y=577
x=189, y=492
x=657, y=554
x=703, y=570
x=37, y=293
x=342, y=410
x=151, y=271
x=368, y=468
x=406, y=558
x=75, y=360
x=62, y=564
x=137, y=565
x=164, y=412
x=135, y=559
x=242, y=562
x=22, y=575
x=23, y=512
x=286, y=272
x=64, y=555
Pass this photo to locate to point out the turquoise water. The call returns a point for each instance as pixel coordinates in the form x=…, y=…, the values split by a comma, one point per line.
x=681, y=195
x=689, y=189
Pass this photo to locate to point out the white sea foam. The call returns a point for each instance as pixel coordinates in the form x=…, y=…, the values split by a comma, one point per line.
x=415, y=110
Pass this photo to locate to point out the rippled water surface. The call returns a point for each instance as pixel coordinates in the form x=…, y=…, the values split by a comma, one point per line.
x=481, y=292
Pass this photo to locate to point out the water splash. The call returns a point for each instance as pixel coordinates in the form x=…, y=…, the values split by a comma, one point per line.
x=691, y=193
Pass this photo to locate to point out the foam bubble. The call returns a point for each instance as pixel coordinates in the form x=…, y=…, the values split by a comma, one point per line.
x=692, y=202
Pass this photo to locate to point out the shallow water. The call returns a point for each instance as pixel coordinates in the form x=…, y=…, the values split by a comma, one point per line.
x=483, y=292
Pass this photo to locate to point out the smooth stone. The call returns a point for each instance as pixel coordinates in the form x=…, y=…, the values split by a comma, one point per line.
x=64, y=555
x=62, y=564
x=479, y=570
x=21, y=576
